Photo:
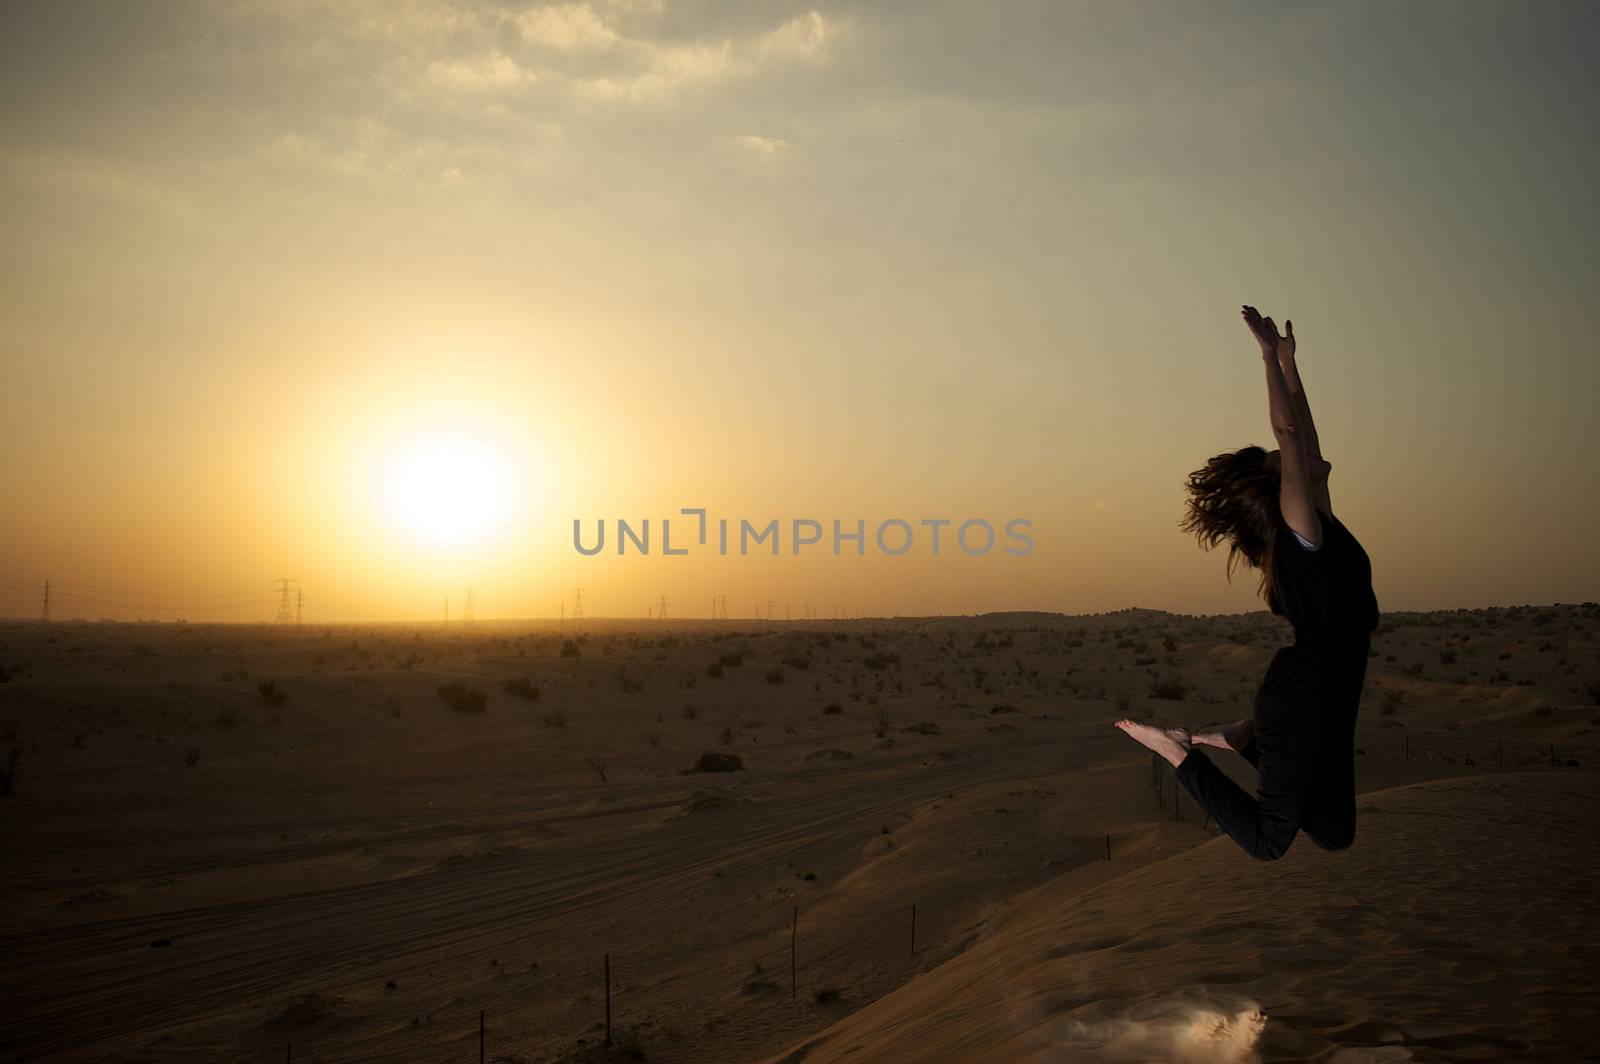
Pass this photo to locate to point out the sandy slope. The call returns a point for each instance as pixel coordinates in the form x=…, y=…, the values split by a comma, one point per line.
x=1461, y=927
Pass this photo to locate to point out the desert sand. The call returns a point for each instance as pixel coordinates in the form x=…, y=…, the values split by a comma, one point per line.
x=228, y=840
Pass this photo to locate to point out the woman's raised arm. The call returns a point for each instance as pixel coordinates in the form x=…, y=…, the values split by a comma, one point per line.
x=1295, y=498
x=1308, y=428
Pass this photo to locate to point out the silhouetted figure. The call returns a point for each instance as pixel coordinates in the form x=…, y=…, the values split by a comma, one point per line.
x=1272, y=509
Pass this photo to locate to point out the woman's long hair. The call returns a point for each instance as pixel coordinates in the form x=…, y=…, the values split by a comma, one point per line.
x=1234, y=497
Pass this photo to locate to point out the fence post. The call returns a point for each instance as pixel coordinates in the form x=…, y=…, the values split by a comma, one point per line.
x=288, y=1053
x=608, y=999
x=480, y=1036
x=913, y=929
x=1552, y=753
x=794, y=927
x=1108, y=846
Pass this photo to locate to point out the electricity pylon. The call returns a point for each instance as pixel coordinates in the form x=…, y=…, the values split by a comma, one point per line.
x=285, y=615
x=577, y=603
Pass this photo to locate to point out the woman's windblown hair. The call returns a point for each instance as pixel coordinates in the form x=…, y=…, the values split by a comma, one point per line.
x=1234, y=497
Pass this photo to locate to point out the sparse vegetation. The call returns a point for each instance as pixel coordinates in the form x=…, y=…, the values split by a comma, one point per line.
x=191, y=756
x=555, y=719
x=1172, y=690
x=463, y=697
x=273, y=694
x=714, y=761
x=522, y=687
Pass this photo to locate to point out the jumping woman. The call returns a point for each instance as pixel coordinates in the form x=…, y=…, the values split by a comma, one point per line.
x=1272, y=508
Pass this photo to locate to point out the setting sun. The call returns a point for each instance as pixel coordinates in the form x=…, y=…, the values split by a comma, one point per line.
x=448, y=491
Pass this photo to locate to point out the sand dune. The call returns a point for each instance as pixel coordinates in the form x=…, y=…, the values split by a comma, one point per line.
x=1461, y=927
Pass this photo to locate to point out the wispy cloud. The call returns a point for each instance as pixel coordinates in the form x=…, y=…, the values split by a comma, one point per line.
x=759, y=146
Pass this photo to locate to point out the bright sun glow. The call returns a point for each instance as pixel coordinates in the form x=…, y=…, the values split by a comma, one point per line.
x=448, y=491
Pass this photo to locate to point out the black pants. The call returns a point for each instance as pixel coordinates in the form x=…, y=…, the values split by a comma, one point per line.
x=1303, y=750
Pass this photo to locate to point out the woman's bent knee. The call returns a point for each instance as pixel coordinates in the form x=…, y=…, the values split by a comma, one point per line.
x=1339, y=840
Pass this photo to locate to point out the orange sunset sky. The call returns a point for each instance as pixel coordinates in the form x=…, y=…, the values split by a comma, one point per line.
x=382, y=295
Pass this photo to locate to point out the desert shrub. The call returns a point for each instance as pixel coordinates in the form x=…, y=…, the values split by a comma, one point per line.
x=775, y=676
x=689, y=713
x=629, y=683
x=226, y=718
x=191, y=756
x=714, y=669
x=880, y=722
x=827, y=995
x=1447, y=657
x=1594, y=693
x=556, y=719
x=1172, y=690
x=8, y=674
x=272, y=693
x=715, y=761
x=1392, y=700
x=569, y=649
x=731, y=661
x=522, y=687
x=727, y=735
x=463, y=697
x=832, y=708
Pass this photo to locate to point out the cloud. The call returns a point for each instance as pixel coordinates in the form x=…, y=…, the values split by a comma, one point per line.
x=759, y=146
x=567, y=28
x=480, y=74
x=809, y=37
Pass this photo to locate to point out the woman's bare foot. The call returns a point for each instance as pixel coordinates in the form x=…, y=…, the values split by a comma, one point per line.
x=1235, y=736
x=1170, y=743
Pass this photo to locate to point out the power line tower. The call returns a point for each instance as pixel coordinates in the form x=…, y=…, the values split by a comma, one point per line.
x=285, y=615
x=661, y=607
x=44, y=615
x=447, y=609
x=769, y=609
x=577, y=603
x=466, y=610
x=299, y=600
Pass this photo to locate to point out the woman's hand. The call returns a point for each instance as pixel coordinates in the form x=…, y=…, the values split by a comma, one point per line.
x=1266, y=334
